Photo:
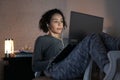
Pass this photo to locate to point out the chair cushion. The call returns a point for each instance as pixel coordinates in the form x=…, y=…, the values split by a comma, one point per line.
x=42, y=78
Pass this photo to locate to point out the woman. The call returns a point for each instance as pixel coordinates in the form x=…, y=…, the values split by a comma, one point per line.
x=48, y=46
x=93, y=46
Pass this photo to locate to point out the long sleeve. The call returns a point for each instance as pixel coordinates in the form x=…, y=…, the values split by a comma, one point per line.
x=45, y=49
x=38, y=63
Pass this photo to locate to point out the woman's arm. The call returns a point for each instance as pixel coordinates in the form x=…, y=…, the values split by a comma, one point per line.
x=38, y=64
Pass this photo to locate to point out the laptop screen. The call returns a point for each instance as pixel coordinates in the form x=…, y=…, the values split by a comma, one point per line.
x=82, y=24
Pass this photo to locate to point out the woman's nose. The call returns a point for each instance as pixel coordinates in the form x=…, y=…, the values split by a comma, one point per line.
x=59, y=23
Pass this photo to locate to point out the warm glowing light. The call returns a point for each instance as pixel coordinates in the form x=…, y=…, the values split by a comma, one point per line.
x=9, y=46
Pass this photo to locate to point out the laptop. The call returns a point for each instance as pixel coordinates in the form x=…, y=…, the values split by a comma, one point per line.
x=82, y=24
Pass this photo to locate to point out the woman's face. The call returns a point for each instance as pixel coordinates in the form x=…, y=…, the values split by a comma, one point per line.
x=56, y=24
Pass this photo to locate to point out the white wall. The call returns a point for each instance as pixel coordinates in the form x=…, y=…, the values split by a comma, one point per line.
x=19, y=18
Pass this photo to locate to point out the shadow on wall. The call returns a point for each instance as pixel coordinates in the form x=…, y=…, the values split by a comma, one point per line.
x=112, y=9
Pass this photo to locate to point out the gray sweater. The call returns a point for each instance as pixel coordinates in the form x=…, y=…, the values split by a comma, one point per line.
x=46, y=47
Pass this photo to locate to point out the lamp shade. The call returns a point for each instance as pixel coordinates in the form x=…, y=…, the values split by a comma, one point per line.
x=9, y=46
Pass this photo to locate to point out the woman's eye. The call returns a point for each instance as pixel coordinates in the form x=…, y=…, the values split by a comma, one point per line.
x=61, y=21
x=56, y=21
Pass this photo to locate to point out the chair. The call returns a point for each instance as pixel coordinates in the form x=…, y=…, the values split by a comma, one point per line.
x=114, y=70
x=88, y=71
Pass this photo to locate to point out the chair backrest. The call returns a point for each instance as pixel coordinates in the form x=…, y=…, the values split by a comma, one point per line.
x=114, y=70
x=88, y=71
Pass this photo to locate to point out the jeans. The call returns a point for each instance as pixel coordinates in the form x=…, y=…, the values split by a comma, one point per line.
x=93, y=46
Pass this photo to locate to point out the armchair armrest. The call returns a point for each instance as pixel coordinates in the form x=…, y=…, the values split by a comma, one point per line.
x=88, y=71
x=114, y=69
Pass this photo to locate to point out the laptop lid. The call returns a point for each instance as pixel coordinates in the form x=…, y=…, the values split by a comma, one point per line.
x=82, y=24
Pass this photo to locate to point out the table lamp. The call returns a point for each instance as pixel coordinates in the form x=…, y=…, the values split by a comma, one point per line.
x=9, y=46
